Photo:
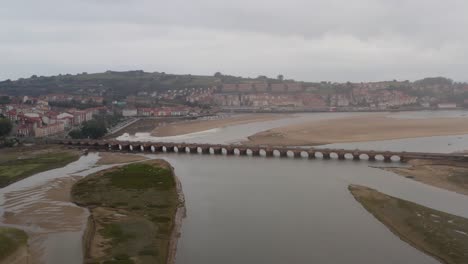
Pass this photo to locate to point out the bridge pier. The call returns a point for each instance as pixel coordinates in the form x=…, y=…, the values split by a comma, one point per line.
x=168, y=148
x=255, y=152
x=387, y=158
x=269, y=153
x=229, y=151
x=297, y=154
x=311, y=154
x=341, y=156
x=356, y=156
x=326, y=155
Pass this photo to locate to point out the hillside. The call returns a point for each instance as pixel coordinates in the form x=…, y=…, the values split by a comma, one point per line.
x=117, y=85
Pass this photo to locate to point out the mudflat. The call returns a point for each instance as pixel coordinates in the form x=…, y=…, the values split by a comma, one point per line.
x=21, y=162
x=441, y=235
x=133, y=213
x=449, y=175
x=192, y=126
x=359, y=128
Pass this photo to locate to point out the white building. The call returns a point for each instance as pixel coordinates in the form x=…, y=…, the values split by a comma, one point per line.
x=130, y=112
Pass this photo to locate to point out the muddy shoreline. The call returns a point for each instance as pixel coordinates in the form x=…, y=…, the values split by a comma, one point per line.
x=181, y=213
x=448, y=175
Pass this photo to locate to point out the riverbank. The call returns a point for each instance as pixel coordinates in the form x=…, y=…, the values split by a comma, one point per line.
x=449, y=175
x=441, y=235
x=371, y=127
x=134, y=210
x=13, y=246
x=109, y=158
x=198, y=125
x=20, y=162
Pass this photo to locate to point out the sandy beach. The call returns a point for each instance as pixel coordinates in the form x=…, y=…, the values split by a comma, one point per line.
x=192, y=126
x=360, y=128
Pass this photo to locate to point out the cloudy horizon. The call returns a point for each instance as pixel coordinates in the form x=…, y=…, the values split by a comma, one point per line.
x=322, y=40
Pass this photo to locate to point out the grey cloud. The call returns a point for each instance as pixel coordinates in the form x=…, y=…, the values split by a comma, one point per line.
x=310, y=40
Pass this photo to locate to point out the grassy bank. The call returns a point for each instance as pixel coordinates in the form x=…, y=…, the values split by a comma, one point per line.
x=19, y=163
x=449, y=175
x=441, y=235
x=132, y=212
x=11, y=240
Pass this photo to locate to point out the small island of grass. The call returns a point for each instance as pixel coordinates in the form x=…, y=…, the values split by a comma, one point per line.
x=13, y=245
x=134, y=213
x=19, y=163
x=441, y=235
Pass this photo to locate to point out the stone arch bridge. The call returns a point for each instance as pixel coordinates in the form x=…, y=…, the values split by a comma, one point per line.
x=258, y=150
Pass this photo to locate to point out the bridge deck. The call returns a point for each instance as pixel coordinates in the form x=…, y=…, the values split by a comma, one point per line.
x=257, y=150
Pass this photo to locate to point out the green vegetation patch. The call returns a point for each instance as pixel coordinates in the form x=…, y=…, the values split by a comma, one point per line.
x=436, y=233
x=133, y=207
x=142, y=176
x=15, y=166
x=10, y=240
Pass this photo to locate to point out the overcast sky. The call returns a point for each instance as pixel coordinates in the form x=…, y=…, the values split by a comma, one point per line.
x=311, y=40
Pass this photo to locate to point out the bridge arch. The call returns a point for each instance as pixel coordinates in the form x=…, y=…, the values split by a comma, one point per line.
x=364, y=156
x=396, y=158
x=379, y=157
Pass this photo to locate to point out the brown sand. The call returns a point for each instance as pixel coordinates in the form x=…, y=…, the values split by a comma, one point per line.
x=359, y=128
x=108, y=158
x=186, y=127
x=51, y=212
x=449, y=175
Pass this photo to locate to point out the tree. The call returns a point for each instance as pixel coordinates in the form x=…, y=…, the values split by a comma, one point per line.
x=5, y=127
x=218, y=75
x=75, y=134
x=280, y=77
x=93, y=129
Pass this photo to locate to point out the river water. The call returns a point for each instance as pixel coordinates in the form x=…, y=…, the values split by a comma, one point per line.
x=261, y=210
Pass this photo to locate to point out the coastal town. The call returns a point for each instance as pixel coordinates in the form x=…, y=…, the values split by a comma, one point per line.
x=56, y=114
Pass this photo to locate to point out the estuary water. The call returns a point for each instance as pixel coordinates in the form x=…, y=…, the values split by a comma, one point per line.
x=252, y=209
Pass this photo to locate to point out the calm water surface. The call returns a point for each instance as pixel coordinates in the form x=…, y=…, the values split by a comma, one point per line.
x=266, y=210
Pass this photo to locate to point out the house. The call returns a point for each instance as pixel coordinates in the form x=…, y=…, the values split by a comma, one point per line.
x=44, y=131
x=278, y=88
x=145, y=111
x=245, y=87
x=261, y=87
x=447, y=105
x=66, y=119
x=24, y=130
x=127, y=112
x=294, y=87
x=229, y=88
